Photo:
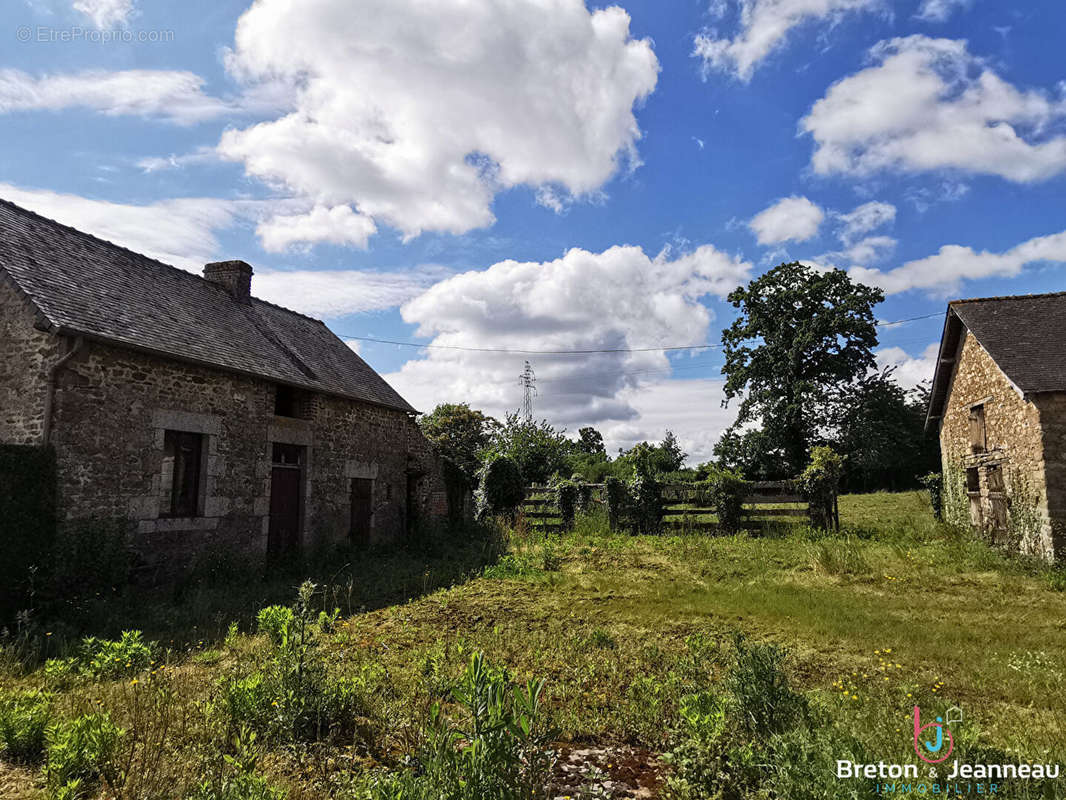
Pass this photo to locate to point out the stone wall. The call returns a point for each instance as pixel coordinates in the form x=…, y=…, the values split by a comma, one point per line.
x=114, y=405
x=25, y=355
x=1014, y=445
x=1052, y=407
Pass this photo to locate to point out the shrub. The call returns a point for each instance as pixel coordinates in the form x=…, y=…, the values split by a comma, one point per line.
x=763, y=697
x=497, y=748
x=24, y=721
x=819, y=483
x=111, y=658
x=725, y=491
x=27, y=507
x=616, y=498
x=566, y=496
x=292, y=697
x=934, y=484
x=276, y=623
x=501, y=489
x=80, y=753
x=647, y=504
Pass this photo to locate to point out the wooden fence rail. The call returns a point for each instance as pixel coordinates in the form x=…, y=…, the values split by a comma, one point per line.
x=683, y=505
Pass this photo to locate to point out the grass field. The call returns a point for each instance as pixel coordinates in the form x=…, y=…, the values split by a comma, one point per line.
x=625, y=631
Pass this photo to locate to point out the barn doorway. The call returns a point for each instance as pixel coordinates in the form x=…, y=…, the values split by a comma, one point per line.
x=286, y=500
x=362, y=510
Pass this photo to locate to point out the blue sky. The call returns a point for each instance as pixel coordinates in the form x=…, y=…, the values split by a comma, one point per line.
x=554, y=176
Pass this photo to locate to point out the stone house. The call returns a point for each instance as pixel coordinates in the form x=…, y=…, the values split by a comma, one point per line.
x=193, y=413
x=999, y=402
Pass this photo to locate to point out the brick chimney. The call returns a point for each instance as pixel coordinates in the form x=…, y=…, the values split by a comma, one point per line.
x=235, y=276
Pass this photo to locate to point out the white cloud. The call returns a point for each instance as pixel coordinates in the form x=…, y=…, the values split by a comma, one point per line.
x=106, y=14
x=764, y=27
x=335, y=293
x=617, y=299
x=945, y=270
x=691, y=408
x=415, y=114
x=863, y=219
x=338, y=225
x=175, y=96
x=355, y=344
x=909, y=371
x=940, y=10
x=927, y=104
x=794, y=219
x=179, y=232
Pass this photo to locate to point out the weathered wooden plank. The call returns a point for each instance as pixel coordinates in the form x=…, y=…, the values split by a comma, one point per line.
x=541, y=514
x=679, y=512
x=775, y=498
x=776, y=512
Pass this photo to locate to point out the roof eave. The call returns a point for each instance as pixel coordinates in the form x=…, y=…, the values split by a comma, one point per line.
x=66, y=330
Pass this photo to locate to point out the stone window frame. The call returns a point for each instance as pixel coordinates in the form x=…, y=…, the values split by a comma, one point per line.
x=153, y=511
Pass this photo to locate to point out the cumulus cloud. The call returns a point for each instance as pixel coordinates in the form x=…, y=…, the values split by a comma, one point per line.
x=945, y=270
x=691, y=408
x=105, y=14
x=171, y=95
x=790, y=219
x=940, y=10
x=465, y=100
x=338, y=225
x=909, y=371
x=928, y=104
x=764, y=26
x=620, y=298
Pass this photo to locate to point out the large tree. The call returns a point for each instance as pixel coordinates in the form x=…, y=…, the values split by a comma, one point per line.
x=539, y=450
x=802, y=337
x=460, y=434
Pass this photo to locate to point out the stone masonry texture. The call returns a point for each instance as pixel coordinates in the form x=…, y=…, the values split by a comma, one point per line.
x=113, y=406
x=1025, y=438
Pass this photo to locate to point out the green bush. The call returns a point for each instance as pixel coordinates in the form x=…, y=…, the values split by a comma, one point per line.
x=497, y=747
x=276, y=623
x=725, y=491
x=819, y=484
x=616, y=498
x=566, y=498
x=112, y=658
x=24, y=722
x=501, y=489
x=646, y=511
x=292, y=697
x=81, y=753
x=27, y=522
x=764, y=700
x=934, y=483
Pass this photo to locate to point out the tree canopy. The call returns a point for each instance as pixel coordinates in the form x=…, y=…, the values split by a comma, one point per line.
x=802, y=338
x=460, y=435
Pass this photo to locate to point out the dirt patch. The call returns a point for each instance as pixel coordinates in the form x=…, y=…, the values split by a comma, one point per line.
x=615, y=771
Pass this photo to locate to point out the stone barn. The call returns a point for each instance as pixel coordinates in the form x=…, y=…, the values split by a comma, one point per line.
x=999, y=403
x=193, y=413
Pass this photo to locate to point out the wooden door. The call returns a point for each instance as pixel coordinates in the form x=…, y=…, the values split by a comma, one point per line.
x=361, y=510
x=286, y=501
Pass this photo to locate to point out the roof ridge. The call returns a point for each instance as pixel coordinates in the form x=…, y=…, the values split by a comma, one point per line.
x=1006, y=297
x=86, y=235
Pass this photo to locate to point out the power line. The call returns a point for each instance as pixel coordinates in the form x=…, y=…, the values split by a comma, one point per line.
x=419, y=345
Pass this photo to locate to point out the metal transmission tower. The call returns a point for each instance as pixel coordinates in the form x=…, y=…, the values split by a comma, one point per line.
x=528, y=381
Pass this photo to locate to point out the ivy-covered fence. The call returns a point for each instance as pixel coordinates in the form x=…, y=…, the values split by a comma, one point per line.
x=27, y=520
x=733, y=503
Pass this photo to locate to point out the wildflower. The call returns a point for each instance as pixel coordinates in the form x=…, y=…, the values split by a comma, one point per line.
x=134, y=682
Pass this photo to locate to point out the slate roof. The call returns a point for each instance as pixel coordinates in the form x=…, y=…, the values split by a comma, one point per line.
x=88, y=286
x=1024, y=334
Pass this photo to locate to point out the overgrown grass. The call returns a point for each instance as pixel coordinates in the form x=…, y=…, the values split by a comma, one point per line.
x=634, y=638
